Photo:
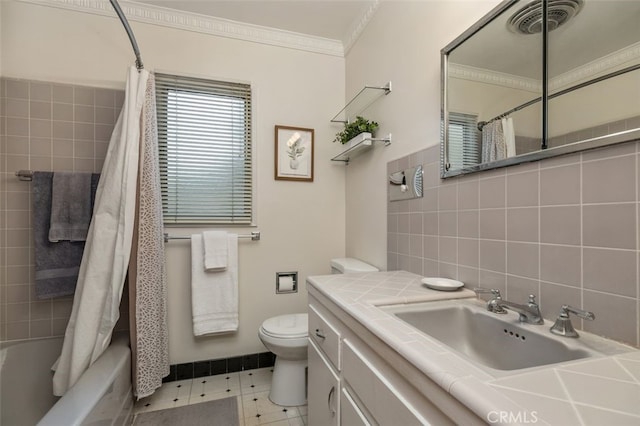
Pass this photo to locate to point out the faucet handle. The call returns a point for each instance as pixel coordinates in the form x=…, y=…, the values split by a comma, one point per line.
x=494, y=291
x=566, y=309
x=493, y=305
x=532, y=301
x=563, y=326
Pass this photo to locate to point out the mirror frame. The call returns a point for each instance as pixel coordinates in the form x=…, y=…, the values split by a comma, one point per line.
x=544, y=152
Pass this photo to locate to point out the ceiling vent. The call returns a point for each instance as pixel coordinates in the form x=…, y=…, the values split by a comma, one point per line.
x=528, y=20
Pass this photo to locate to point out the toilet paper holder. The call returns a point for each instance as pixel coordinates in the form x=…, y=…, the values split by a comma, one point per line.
x=286, y=282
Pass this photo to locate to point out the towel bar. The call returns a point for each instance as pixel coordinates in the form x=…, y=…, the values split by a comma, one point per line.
x=255, y=236
x=25, y=175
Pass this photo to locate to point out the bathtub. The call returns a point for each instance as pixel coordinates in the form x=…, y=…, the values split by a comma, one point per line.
x=101, y=396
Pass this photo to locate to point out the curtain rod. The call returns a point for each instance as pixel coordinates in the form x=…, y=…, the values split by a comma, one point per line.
x=481, y=124
x=132, y=38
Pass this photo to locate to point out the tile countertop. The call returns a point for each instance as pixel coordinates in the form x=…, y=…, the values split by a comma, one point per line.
x=596, y=391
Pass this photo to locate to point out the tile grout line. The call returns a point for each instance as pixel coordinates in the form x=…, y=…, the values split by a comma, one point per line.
x=637, y=173
x=568, y=395
x=581, y=190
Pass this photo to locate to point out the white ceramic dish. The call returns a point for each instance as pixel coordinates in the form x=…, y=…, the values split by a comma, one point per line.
x=442, y=284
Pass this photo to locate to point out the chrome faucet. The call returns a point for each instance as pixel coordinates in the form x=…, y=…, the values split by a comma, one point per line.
x=529, y=313
x=563, y=326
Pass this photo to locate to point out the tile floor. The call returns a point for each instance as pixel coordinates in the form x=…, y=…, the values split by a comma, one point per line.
x=251, y=387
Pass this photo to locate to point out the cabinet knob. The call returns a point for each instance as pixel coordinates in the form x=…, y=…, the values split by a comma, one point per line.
x=319, y=334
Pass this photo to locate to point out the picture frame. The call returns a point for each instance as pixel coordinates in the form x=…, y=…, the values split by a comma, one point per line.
x=294, y=153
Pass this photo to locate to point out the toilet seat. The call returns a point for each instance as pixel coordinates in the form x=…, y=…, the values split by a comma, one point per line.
x=292, y=326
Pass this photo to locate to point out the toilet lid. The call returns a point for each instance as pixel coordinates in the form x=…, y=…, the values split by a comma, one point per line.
x=287, y=326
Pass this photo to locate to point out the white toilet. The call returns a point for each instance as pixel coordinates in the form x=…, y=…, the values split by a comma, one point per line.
x=345, y=265
x=286, y=336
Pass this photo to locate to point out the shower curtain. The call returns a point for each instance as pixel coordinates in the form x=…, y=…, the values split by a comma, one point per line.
x=147, y=276
x=108, y=245
x=498, y=140
x=493, y=144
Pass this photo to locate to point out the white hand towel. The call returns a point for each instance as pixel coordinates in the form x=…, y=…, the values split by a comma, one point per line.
x=215, y=250
x=214, y=295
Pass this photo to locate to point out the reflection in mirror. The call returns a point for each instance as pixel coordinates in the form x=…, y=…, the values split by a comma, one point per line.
x=490, y=76
x=495, y=80
x=594, y=73
x=406, y=184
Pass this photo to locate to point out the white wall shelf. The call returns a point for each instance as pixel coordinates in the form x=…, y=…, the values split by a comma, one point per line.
x=360, y=102
x=358, y=145
x=357, y=104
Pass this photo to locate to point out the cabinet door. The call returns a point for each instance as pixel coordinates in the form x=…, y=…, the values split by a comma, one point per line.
x=322, y=395
x=350, y=413
x=390, y=401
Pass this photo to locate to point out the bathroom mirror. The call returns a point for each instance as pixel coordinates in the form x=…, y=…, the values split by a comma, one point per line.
x=518, y=88
x=406, y=184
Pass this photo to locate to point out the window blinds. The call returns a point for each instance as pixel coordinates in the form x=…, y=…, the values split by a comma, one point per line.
x=204, y=136
x=464, y=148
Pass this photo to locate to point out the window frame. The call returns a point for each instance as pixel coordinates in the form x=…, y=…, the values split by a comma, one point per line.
x=469, y=124
x=211, y=221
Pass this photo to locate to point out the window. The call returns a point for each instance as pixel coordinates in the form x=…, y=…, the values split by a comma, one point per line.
x=204, y=137
x=464, y=146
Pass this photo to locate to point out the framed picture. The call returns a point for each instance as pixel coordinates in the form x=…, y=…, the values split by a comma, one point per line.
x=294, y=153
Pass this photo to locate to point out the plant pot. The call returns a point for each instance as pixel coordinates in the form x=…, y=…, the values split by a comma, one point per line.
x=358, y=139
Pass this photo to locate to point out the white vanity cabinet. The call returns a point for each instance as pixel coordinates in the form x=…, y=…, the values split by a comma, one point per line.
x=355, y=379
x=323, y=390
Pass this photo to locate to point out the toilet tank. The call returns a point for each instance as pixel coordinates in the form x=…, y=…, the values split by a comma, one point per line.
x=345, y=265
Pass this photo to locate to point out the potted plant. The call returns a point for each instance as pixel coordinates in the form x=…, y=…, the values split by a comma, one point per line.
x=360, y=126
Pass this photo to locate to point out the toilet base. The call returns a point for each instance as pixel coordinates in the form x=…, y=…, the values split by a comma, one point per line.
x=288, y=384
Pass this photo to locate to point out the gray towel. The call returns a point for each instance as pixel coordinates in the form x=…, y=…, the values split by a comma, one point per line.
x=70, y=207
x=57, y=264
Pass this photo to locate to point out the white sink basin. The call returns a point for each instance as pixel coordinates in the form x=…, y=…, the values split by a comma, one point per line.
x=499, y=342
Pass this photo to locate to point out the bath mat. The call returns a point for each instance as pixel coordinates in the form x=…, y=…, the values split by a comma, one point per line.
x=220, y=412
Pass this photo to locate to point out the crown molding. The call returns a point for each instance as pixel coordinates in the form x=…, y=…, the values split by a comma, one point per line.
x=593, y=68
x=481, y=75
x=358, y=26
x=188, y=21
x=576, y=75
